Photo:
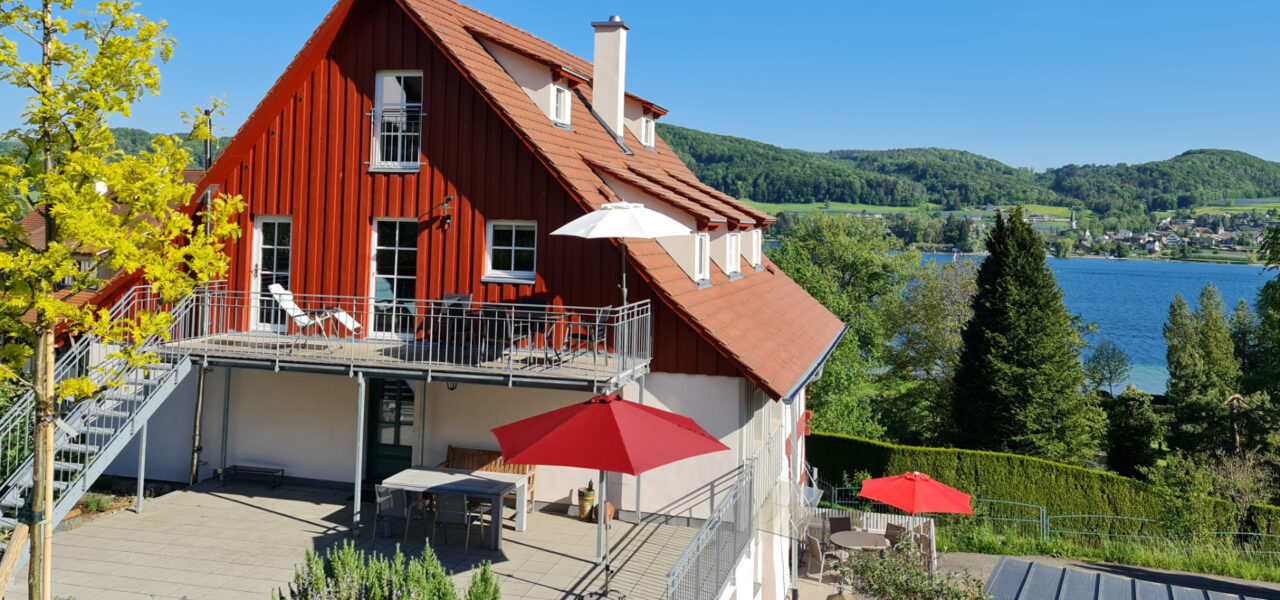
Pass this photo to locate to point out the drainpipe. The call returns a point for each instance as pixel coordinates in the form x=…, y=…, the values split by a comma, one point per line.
x=355, y=507
x=196, y=449
x=795, y=481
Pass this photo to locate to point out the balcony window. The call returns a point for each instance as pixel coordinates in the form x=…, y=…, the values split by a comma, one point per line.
x=395, y=276
x=513, y=251
x=397, y=122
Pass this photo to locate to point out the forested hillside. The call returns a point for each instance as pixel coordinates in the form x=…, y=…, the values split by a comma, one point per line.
x=952, y=178
x=132, y=141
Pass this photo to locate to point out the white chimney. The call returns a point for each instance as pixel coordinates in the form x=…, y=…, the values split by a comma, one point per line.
x=609, y=78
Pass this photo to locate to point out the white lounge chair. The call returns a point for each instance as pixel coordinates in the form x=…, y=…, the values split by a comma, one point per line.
x=308, y=319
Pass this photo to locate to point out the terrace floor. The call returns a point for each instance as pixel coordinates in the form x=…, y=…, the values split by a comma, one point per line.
x=243, y=540
x=465, y=361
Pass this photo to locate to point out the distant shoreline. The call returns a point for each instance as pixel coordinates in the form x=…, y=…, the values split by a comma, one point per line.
x=1134, y=258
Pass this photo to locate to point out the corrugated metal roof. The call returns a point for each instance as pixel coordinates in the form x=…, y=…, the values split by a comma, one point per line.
x=1015, y=579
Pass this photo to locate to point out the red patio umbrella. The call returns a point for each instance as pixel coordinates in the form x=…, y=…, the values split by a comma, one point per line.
x=916, y=492
x=605, y=433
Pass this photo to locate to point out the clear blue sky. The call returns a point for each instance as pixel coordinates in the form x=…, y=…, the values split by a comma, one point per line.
x=1029, y=83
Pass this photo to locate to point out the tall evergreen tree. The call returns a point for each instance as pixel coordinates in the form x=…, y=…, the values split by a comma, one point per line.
x=1203, y=373
x=1133, y=431
x=1019, y=386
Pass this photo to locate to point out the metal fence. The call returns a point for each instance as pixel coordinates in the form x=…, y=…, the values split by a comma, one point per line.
x=1033, y=521
x=707, y=564
x=513, y=342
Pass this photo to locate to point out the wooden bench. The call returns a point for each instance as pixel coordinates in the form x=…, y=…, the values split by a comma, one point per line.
x=472, y=459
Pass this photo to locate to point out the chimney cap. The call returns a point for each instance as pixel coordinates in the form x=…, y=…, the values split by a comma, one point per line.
x=614, y=21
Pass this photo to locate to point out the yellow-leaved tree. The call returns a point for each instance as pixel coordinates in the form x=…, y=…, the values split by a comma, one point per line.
x=128, y=214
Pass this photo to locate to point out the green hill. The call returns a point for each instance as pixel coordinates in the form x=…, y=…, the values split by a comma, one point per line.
x=951, y=178
x=133, y=141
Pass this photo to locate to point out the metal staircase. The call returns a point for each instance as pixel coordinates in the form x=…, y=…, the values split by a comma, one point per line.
x=103, y=425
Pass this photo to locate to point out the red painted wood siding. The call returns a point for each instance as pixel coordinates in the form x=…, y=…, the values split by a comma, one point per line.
x=310, y=163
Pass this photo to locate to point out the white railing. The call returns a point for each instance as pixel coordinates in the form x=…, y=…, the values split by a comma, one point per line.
x=518, y=342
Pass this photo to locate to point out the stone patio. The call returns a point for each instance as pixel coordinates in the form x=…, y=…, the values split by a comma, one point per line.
x=243, y=540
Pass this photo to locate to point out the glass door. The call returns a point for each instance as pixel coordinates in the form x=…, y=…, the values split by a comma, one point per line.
x=272, y=241
x=391, y=406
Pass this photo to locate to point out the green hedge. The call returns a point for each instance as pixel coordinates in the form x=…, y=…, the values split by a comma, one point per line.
x=1061, y=489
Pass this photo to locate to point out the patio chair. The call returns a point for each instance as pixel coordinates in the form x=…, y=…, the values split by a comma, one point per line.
x=534, y=318
x=894, y=533
x=393, y=503
x=309, y=319
x=589, y=333
x=838, y=524
x=452, y=329
x=818, y=554
x=452, y=511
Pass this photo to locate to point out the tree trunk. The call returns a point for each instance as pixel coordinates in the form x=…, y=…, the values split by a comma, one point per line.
x=39, y=575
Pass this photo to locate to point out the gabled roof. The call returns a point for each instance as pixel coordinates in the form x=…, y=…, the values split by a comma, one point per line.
x=765, y=323
x=778, y=353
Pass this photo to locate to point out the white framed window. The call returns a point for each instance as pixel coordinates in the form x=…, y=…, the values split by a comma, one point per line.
x=397, y=121
x=395, y=276
x=733, y=253
x=701, y=256
x=512, y=251
x=646, y=131
x=561, y=104
x=757, y=247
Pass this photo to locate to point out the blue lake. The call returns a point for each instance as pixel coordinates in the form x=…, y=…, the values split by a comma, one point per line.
x=1129, y=301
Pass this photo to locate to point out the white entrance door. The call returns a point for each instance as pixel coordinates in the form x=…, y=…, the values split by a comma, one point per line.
x=272, y=240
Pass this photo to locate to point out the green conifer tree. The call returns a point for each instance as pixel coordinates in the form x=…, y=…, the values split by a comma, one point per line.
x=1019, y=386
x=1203, y=373
x=1133, y=432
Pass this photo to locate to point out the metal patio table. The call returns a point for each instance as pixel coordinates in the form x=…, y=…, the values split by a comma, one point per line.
x=476, y=484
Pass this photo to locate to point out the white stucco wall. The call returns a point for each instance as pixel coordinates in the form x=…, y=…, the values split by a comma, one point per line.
x=532, y=77
x=168, y=439
x=304, y=423
x=463, y=417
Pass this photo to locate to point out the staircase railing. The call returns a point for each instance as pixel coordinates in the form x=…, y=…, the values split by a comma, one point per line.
x=104, y=424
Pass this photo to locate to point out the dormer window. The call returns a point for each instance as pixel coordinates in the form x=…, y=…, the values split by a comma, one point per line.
x=733, y=253
x=701, y=256
x=646, y=131
x=561, y=105
x=397, y=122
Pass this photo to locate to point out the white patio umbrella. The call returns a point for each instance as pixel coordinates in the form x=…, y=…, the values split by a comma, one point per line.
x=623, y=220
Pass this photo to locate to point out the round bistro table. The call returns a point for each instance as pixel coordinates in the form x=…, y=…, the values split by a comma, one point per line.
x=860, y=540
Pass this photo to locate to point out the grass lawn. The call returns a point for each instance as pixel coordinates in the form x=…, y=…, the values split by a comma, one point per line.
x=774, y=208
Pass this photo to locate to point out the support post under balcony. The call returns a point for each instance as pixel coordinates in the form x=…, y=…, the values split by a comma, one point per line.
x=142, y=468
x=359, y=470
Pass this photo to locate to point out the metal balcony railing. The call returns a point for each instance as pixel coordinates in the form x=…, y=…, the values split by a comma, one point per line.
x=529, y=342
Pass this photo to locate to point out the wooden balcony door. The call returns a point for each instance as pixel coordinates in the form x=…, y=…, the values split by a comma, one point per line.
x=272, y=255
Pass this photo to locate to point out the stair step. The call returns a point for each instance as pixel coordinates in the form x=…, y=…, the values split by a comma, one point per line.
x=67, y=466
x=82, y=448
x=95, y=430
x=140, y=382
x=111, y=414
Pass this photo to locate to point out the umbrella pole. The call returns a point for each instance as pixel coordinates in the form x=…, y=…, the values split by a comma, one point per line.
x=602, y=538
x=622, y=247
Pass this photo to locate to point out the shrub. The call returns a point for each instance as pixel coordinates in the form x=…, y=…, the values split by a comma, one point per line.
x=894, y=576
x=94, y=502
x=1061, y=489
x=344, y=572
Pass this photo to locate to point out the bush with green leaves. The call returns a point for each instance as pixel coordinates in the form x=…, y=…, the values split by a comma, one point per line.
x=1061, y=489
x=897, y=576
x=349, y=574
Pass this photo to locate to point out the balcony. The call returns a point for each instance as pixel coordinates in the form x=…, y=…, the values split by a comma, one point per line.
x=526, y=343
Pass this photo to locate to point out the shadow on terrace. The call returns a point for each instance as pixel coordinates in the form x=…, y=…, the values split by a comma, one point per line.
x=243, y=541
x=530, y=342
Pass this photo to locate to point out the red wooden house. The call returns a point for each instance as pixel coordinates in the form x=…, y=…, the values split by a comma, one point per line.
x=402, y=179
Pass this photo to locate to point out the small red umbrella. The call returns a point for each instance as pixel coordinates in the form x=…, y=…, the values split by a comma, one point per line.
x=605, y=433
x=916, y=492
